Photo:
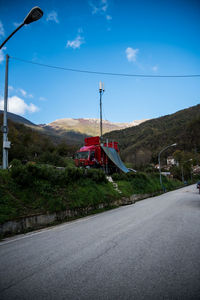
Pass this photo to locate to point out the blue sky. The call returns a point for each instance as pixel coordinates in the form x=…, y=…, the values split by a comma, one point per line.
x=134, y=37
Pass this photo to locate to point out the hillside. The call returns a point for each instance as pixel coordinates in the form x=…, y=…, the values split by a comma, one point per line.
x=71, y=137
x=87, y=126
x=18, y=119
x=33, y=145
x=141, y=144
x=73, y=131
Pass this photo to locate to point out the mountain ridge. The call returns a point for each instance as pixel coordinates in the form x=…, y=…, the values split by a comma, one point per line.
x=141, y=144
x=76, y=126
x=89, y=126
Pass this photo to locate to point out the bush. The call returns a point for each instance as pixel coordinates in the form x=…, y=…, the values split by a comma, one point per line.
x=20, y=173
x=96, y=175
x=74, y=174
x=51, y=158
x=141, y=183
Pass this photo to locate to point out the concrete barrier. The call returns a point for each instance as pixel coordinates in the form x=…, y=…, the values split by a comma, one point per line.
x=37, y=221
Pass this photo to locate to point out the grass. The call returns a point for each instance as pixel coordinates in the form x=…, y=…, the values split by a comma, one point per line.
x=142, y=183
x=35, y=188
x=32, y=189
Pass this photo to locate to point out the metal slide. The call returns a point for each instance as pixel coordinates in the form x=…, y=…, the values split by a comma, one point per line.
x=114, y=156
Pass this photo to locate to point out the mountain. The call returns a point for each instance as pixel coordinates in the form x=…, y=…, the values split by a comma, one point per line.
x=57, y=136
x=18, y=119
x=30, y=144
x=72, y=131
x=141, y=144
x=90, y=127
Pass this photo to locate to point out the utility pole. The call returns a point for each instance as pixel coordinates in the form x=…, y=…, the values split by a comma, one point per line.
x=6, y=143
x=35, y=14
x=160, y=163
x=101, y=91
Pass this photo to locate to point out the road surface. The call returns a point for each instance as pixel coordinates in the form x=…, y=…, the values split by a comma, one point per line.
x=149, y=250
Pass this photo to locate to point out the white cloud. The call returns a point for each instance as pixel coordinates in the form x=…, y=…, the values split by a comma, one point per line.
x=2, y=54
x=2, y=32
x=98, y=6
x=155, y=68
x=18, y=106
x=52, y=16
x=76, y=43
x=108, y=17
x=42, y=99
x=23, y=92
x=104, y=5
x=131, y=54
x=16, y=24
x=80, y=30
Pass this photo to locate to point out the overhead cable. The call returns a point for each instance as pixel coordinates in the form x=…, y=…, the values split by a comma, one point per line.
x=105, y=73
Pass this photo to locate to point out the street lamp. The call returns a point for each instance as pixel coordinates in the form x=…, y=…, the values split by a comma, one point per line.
x=182, y=164
x=35, y=14
x=173, y=145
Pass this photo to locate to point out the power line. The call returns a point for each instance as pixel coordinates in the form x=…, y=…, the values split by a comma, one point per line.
x=106, y=73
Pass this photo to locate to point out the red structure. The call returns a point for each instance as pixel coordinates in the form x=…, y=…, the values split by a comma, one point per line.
x=92, y=155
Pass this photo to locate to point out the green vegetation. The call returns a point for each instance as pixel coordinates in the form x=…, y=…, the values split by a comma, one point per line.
x=31, y=145
x=141, y=144
x=143, y=183
x=37, y=188
x=33, y=188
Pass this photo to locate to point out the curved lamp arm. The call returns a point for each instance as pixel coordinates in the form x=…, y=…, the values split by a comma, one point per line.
x=35, y=14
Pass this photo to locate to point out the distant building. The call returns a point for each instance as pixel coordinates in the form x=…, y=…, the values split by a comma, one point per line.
x=171, y=161
x=167, y=174
x=196, y=169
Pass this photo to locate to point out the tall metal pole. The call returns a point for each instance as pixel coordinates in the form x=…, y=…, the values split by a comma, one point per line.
x=35, y=14
x=160, y=169
x=5, y=127
x=101, y=91
x=101, y=132
x=160, y=164
x=182, y=175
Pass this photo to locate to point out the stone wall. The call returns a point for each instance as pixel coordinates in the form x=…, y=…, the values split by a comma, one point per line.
x=33, y=222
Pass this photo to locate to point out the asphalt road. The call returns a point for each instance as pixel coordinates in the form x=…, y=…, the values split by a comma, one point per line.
x=149, y=250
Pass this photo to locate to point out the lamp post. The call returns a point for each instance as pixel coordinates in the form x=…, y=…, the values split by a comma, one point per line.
x=35, y=14
x=160, y=164
x=182, y=169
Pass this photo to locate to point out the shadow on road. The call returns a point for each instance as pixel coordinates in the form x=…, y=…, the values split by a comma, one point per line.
x=194, y=203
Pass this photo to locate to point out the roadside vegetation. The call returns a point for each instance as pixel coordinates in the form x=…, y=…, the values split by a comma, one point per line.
x=42, y=177
x=39, y=188
x=34, y=188
x=31, y=145
x=140, y=145
x=143, y=183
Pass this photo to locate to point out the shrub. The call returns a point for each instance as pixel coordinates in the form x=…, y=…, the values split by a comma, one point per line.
x=51, y=158
x=20, y=173
x=74, y=174
x=96, y=175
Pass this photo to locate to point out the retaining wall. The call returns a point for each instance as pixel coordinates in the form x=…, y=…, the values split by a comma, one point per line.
x=37, y=221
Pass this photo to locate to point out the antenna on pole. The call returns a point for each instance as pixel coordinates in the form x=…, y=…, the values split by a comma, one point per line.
x=101, y=91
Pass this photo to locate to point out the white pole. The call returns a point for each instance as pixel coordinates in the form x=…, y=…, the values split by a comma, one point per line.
x=5, y=127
